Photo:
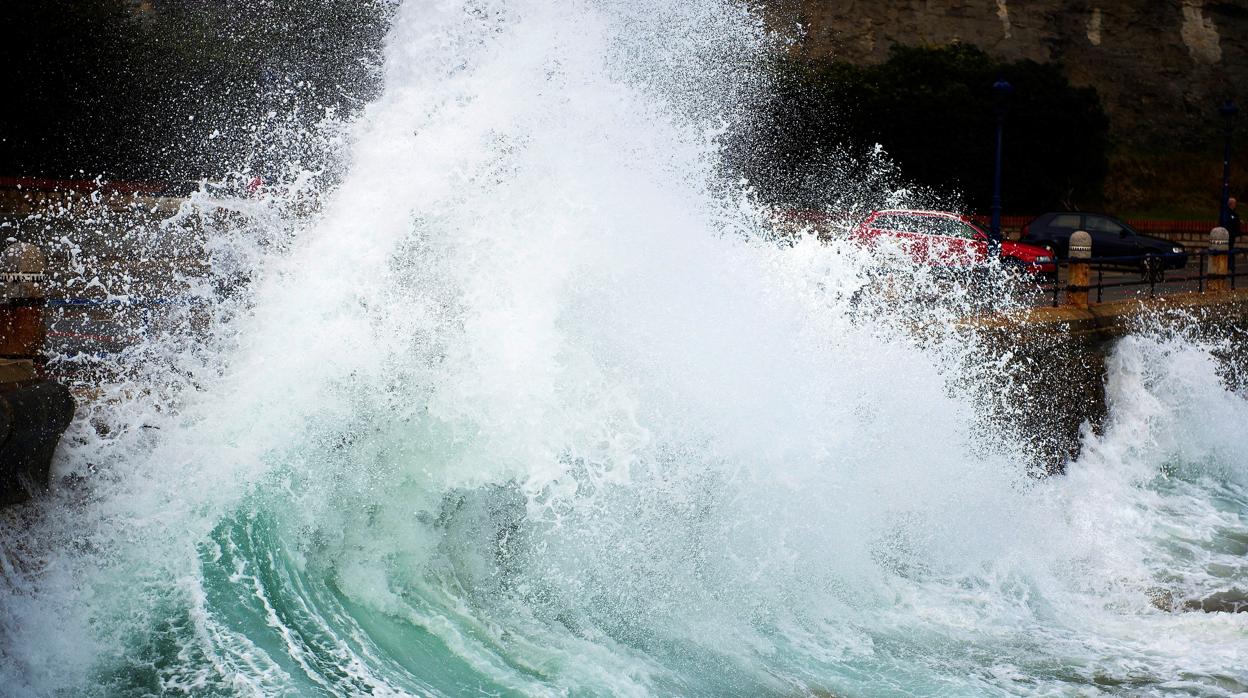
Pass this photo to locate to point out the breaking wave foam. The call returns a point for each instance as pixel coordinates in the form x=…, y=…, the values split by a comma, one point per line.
x=534, y=403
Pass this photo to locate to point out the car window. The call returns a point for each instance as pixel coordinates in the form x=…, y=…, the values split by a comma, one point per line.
x=1100, y=224
x=925, y=225
x=888, y=222
x=899, y=222
x=951, y=227
x=1066, y=220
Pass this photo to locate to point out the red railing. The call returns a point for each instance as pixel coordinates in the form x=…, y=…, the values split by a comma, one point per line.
x=1164, y=228
x=1185, y=231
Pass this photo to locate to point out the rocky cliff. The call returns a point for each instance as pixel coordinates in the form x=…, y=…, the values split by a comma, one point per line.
x=1161, y=67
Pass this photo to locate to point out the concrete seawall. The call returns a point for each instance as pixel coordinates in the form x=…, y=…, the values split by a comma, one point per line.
x=1108, y=321
x=1060, y=354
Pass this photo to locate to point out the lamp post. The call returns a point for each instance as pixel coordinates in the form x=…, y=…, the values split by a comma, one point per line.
x=1001, y=91
x=1228, y=110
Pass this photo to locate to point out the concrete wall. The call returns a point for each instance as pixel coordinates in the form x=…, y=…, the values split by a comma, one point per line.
x=1060, y=353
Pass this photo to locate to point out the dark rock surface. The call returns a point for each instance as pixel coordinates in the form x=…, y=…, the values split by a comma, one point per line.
x=33, y=415
x=1160, y=67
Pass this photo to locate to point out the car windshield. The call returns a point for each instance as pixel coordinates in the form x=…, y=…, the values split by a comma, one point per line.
x=925, y=225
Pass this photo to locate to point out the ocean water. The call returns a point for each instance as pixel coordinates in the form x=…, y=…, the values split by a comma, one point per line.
x=527, y=400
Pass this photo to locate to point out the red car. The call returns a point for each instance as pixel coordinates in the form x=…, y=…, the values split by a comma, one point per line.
x=943, y=239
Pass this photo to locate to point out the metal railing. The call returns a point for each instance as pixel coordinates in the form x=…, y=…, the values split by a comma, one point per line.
x=1156, y=272
x=98, y=328
x=120, y=302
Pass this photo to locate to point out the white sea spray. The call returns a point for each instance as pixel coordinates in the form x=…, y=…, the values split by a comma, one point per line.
x=531, y=402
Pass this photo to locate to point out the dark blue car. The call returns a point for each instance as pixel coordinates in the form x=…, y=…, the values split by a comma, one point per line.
x=1110, y=238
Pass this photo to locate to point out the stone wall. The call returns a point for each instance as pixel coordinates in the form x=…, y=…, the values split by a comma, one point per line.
x=1160, y=66
x=1060, y=355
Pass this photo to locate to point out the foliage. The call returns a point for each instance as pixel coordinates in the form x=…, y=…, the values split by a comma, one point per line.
x=1173, y=185
x=932, y=111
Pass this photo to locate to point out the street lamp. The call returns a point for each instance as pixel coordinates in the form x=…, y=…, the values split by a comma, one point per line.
x=1228, y=110
x=1001, y=91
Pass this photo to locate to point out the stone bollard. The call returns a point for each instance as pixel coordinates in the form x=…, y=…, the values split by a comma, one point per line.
x=1077, y=284
x=22, y=302
x=1219, y=243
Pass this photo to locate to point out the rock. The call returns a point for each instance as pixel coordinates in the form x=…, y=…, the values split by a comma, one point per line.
x=1230, y=601
x=33, y=415
x=1160, y=67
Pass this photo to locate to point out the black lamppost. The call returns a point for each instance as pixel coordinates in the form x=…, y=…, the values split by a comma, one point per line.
x=1228, y=110
x=1001, y=91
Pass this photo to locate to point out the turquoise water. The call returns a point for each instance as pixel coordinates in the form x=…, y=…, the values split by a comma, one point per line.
x=530, y=402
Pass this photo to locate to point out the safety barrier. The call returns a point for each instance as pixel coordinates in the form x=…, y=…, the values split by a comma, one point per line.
x=1212, y=270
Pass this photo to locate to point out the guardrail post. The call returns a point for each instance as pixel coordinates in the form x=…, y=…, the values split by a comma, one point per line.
x=22, y=302
x=1219, y=244
x=1077, y=284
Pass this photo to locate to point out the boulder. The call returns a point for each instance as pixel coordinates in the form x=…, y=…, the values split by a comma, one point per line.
x=33, y=416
